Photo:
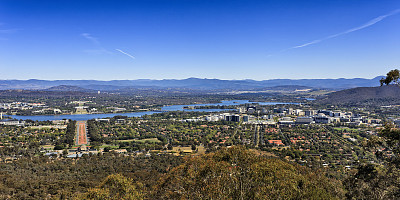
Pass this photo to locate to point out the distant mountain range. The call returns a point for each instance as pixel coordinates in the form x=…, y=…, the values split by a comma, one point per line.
x=190, y=83
x=384, y=95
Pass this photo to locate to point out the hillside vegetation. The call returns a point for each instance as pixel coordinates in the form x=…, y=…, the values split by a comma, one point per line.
x=233, y=173
x=383, y=95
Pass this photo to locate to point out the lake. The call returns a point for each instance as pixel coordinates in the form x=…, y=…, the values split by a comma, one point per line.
x=83, y=117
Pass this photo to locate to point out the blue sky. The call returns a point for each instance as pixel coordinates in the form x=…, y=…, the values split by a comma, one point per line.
x=177, y=39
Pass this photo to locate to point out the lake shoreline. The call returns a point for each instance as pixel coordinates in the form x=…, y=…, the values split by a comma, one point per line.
x=169, y=108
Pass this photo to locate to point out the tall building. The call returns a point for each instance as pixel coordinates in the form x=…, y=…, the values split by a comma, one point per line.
x=310, y=112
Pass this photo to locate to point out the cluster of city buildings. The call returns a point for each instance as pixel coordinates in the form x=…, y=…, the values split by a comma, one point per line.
x=227, y=117
x=326, y=117
x=36, y=108
x=8, y=122
x=59, y=124
x=289, y=116
x=20, y=106
x=116, y=109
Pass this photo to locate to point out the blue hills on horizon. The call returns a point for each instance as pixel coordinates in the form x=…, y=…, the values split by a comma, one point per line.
x=191, y=83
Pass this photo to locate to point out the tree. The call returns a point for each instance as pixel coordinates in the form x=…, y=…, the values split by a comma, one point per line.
x=107, y=149
x=65, y=152
x=378, y=180
x=193, y=147
x=169, y=146
x=59, y=147
x=392, y=76
x=115, y=186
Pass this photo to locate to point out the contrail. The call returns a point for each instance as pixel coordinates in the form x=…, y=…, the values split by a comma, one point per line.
x=368, y=24
x=306, y=44
x=125, y=53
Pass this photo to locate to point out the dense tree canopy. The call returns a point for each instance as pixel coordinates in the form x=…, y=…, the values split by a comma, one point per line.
x=237, y=173
x=379, y=180
x=116, y=187
x=230, y=173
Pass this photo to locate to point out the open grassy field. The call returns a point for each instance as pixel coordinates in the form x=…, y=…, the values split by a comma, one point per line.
x=131, y=140
x=81, y=111
x=111, y=146
x=155, y=140
x=183, y=149
x=345, y=129
x=48, y=146
x=188, y=150
x=149, y=140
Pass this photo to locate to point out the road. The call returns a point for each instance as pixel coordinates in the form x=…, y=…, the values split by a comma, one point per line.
x=81, y=133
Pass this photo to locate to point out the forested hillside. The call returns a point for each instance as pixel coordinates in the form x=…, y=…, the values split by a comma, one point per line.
x=383, y=95
x=234, y=173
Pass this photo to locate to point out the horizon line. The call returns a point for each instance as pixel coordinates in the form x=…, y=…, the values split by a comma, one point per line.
x=186, y=79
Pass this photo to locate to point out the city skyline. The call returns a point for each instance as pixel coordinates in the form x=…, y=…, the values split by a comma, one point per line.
x=179, y=39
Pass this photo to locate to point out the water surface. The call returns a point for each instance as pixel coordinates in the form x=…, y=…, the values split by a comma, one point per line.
x=82, y=117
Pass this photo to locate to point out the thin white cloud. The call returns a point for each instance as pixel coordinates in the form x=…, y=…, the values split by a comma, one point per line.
x=91, y=38
x=8, y=30
x=125, y=53
x=99, y=49
x=366, y=25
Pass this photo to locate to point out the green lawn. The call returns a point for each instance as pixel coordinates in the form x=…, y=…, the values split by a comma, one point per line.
x=111, y=146
x=346, y=129
x=48, y=146
x=154, y=140
x=131, y=140
x=149, y=140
